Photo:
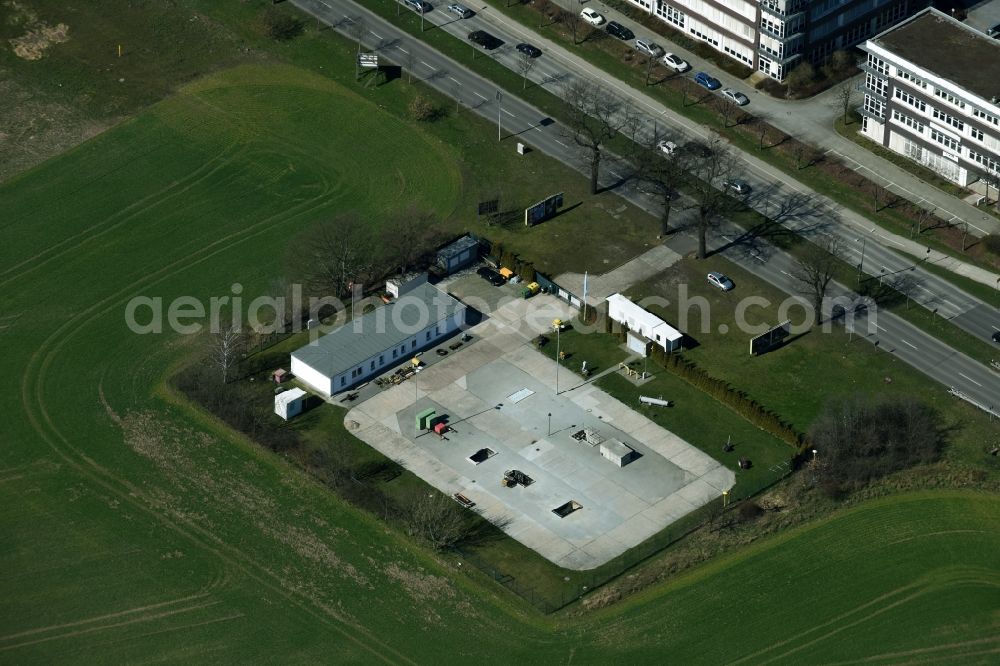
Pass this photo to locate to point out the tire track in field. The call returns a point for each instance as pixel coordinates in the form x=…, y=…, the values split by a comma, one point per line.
x=127, y=214
x=919, y=589
x=34, y=404
x=916, y=652
x=114, y=625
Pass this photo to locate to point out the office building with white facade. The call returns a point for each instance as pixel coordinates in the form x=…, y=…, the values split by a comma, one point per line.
x=774, y=36
x=932, y=87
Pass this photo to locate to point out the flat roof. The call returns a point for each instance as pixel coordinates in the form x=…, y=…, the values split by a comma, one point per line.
x=646, y=318
x=379, y=330
x=458, y=247
x=948, y=48
x=286, y=397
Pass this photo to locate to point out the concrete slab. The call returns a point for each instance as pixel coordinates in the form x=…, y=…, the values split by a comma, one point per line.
x=621, y=506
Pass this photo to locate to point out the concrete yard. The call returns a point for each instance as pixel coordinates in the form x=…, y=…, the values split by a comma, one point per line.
x=621, y=506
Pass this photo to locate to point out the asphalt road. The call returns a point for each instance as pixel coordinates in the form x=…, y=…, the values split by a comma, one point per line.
x=520, y=121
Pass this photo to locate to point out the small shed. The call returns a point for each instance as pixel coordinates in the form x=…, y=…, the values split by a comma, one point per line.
x=617, y=452
x=279, y=375
x=457, y=255
x=289, y=403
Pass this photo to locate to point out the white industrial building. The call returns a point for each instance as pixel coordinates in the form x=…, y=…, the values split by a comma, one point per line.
x=932, y=93
x=643, y=323
x=374, y=342
x=289, y=403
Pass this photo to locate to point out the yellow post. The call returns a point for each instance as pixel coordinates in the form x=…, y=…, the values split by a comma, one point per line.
x=119, y=50
x=725, y=498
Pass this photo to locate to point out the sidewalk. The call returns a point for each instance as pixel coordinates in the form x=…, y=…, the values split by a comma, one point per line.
x=655, y=109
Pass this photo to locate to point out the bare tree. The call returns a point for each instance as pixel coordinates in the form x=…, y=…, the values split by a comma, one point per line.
x=572, y=21
x=662, y=173
x=595, y=117
x=524, y=65
x=438, y=520
x=845, y=96
x=800, y=77
x=334, y=254
x=225, y=348
x=407, y=235
x=906, y=284
x=726, y=110
x=709, y=170
x=650, y=61
x=922, y=218
x=761, y=125
x=814, y=271
x=358, y=28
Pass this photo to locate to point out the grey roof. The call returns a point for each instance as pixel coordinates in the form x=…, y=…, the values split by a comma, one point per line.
x=948, y=48
x=380, y=330
x=458, y=247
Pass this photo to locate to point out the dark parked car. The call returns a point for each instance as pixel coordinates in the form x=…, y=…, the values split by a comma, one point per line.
x=616, y=29
x=738, y=186
x=704, y=79
x=484, y=39
x=491, y=276
x=996, y=337
x=529, y=50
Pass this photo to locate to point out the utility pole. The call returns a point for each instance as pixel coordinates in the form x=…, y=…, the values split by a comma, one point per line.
x=558, y=349
x=864, y=241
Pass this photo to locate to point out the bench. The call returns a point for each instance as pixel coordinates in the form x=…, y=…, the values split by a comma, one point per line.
x=463, y=500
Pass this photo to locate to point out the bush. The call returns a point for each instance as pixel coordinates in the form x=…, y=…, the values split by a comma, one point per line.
x=423, y=110
x=281, y=26
x=992, y=243
x=859, y=440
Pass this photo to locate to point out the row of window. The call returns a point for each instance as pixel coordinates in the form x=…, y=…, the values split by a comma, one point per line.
x=909, y=99
x=944, y=139
x=906, y=76
x=736, y=54
x=949, y=119
x=879, y=65
x=396, y=353
x=948, y=97
x=874, y=106
x=912, y=123
x=987, y=161
x=985, y=116
x=876, y=84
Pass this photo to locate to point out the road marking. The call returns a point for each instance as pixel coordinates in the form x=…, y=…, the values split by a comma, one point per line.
x=376, y=36
x=908, y=343
x=561, y=143
x=455, y=80
x=403, y=50
x=426, y=64
x=478, y=95
x=945, y=300
x=879, y=327
x=758, y=257
x=995, y=328
x=972, y=380
x=788, y=274
x=508, y=113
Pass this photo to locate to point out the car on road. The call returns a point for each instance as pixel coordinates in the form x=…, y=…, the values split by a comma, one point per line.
x=994, y=31
x=719, y=280
x=736, y=97
x=616, y=29
x=707, y=80
x=529, y=50
x=666, y=147
x=648, y=47
x=737, y=185
x=676, y=63
x=491, y=276
x=484, y=39
x=592, y=17
x=461, y=11
x=419, y=6
x=996, y=337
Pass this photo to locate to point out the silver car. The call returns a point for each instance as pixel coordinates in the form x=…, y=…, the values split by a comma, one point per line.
x=461, y=11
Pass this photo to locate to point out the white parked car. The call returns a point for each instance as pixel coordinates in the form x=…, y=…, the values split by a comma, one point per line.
x=719, y=280
x=648, y=47
x=592, y=17
x=666, y=147
x=676, y=63
x=735, y=97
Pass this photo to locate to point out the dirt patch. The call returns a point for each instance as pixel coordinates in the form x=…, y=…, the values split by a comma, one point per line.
x=38, y=36
x=422, y=587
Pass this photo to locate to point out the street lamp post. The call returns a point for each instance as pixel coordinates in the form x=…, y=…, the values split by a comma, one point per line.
x=550, y=423
x=558, y=349
x=861, y=266
x=499, y=110
x=881, y=275
x=814, y=455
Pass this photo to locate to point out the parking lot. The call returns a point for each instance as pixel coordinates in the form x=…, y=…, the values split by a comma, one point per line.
x=499, y=401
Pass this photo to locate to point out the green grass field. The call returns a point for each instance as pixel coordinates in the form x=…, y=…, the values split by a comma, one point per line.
x=137, y=528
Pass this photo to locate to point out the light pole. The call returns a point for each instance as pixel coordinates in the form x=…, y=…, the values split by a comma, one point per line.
x=881, y=275
x=814, y=455
x=998, y=291
x=725, y=498
x=499, y=109
x=861, y=266
x=550, y=423
x=558, y=349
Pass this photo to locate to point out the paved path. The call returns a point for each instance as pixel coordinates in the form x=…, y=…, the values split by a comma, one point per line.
x=599, y=287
